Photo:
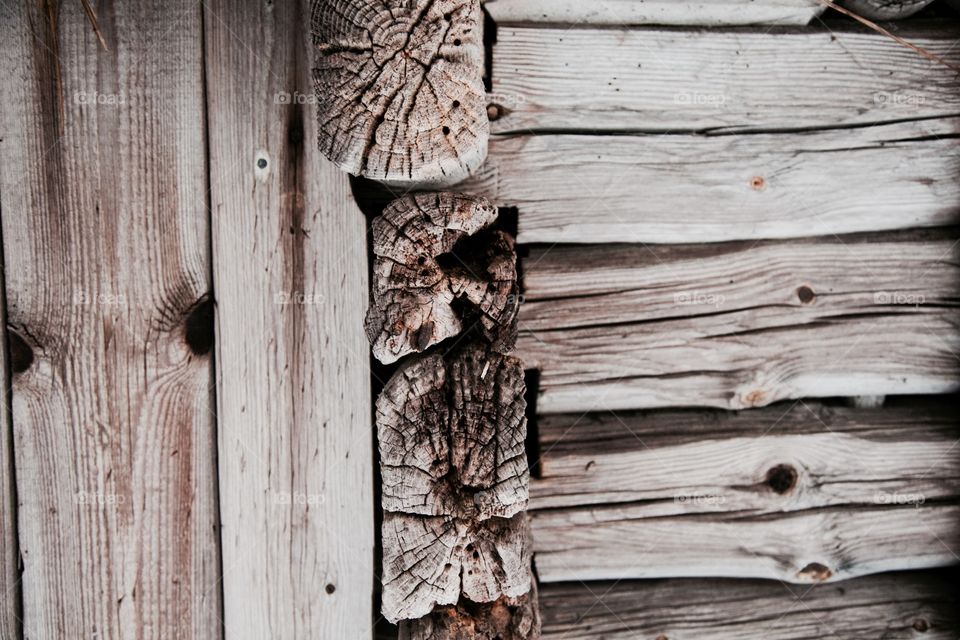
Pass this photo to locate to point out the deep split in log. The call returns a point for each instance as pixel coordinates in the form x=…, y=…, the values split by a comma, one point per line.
x=503, y=619
x=399, y=88
x=438, y=271
x=451, y=430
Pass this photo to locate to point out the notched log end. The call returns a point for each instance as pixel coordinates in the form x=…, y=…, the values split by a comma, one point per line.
x=506, y=618
x=440, y=270
x=400, y=95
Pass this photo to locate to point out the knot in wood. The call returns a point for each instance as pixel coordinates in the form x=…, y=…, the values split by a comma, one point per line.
x=781, y=478
x=437, y=271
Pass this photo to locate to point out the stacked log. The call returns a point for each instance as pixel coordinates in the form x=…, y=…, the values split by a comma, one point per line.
x=400, y=99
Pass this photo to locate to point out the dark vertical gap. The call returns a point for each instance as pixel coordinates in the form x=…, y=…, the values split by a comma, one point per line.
x=7, y=435
x=531, y=378
x=214, y=400
x=489, y=39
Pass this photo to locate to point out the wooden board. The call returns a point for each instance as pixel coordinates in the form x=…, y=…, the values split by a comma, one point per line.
x=740, y=325
x=694, y=188
x=10, y=627
x=667, y=12
x=895, y=607
x=780, y=458
x=105, y=233
x=659, y=80
x=294, y=402
x=612, y=542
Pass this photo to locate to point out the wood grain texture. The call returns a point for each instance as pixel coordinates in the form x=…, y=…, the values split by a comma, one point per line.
x=105, y=232
x=740, y=325
x=611, y=542
x=780, y=458
x=290, y=267
x=451, y=430
x=505, y=618
x=439, y=270
x=399, y=87
x=659, y=80
x=693, y=188
x=712, y=13
x=901, y=606
x=885, y=9
x=10, y=623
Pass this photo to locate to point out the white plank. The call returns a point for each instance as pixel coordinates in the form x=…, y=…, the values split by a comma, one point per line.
x=294, y=401
x=690, y=188
x=681, y=80
x=611, y=543
x=10, y=627
x=899, y=606
x=666, y=12
x=105, y=232
x=735, y=326
x=770, y=460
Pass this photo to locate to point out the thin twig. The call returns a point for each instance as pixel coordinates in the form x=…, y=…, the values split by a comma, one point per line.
x=92, y=17
x=879, y=29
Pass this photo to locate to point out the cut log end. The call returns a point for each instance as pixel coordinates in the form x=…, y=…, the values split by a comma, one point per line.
x=506, y=618
x=451, y=432
x=885, y=9
x=439, y=271
x=400, y=95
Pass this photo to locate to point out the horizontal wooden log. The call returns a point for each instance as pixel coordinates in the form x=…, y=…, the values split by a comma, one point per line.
x=616, y=541
x=666, y=12
x=740, y=325
x=694, y=188
x=683, y=80
x=802, y=456
x=894, y=607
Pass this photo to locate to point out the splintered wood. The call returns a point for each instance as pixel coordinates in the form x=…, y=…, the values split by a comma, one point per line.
x=451, y=423
x=399, y=88
x=425, y=292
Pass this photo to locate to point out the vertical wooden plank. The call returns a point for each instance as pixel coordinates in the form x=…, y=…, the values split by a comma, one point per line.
x=106, y=242
x=290, y=272
x=9, y=554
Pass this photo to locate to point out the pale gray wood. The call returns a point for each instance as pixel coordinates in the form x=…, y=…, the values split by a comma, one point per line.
x=688, y=188
x=612, y=542
x=434, y=256
x=293, y=390
x=10, y=624
x=399, y=87
x=901, y=606
x=105, y=232
x=780, y=458
x=886, y=9
x=736, y=326
x=451, y=430
x=713, y=13
x=680, y=80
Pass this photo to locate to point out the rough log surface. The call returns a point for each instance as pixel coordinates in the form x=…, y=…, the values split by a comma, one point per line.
x=451, y=431
x=506, y=618
x=740, y=325
x=650, y=188
x=107, y=266
x=290, y=269
x=611, y=542
x=658, y=80
x=792, y=457
x=712, y=13
x=902, y=606
x=400, y=96
x=885, y=9
x=437, y=274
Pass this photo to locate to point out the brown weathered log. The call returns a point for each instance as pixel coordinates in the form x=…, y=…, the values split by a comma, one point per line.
x=439, y=271
x=885, y=9
x=399, y=87
x=451, y=431
x=505, y=618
